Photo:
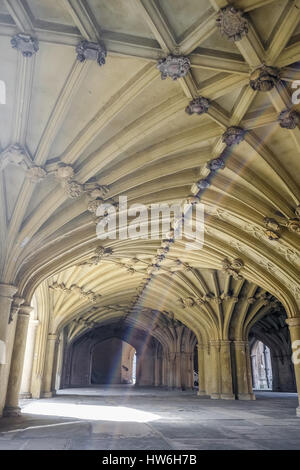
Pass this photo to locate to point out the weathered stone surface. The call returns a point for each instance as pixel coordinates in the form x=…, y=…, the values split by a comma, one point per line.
x=288, y=119
x=198, y=105
x=91, y=51
x=174, y=67
x=233, y=135
x=26, y=44
x=264, y=78
x=232, y=23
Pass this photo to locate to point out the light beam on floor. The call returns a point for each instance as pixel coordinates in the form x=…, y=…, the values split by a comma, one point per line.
x=90, y=412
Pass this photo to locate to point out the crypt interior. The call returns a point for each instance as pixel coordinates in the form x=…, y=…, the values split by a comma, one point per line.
x=139, y=342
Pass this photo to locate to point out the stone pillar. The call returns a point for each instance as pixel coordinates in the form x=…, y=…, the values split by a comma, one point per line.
x=170, y=372
x=294, y=327
x=178, y=379
x=6, y=297
x=249, y=371
x=201, y=371
x=242, y=371
x=28, y=359
x=156, y=370
x=187, y=370
x=164, y=370
x=17, y=361
x=215, y=392
x=7, y=332
x=226, y=371
x=207, y=368
x=48, y=384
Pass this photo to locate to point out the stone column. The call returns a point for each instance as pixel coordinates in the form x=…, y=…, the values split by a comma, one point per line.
x=249, y=371
x=187, y=370
x=6, y=297
x=164, y=370
x=177, y=367
x=170, y=370
x=242, y=373
x=7, y=333
x=17, y=361
x=156, y=371
x=215, y=392
x=294, y=327
x=201, y=371
x=49, y=364
x=226, y=371
x=28, y=360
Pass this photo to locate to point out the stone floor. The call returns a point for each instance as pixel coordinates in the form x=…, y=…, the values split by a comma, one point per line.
x=128, y=418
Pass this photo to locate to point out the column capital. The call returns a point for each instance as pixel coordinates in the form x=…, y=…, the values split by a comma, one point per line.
x=7, y=290
x=225, y=343
x=240, y=344
x=52, y=336
x=201, y=346
x=295, y=321
x=25, y=310
x=16, y=305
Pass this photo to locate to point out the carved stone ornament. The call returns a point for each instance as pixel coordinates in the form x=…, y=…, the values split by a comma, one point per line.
x=90, y=296
x=91, y=51
x=216, y=164
x=288, y=119
x=233, y=135
x=174, y=67
x=64, y=172
x=98, y=192
x=203, y=184
x=26, y=44
x=93, y=205
x=199, y=106
x=232, y=23
x=272, y=224
x=271, y=235
x=15, y=155
x=193, y=200
x=237, y=263
x=36, y=173
x=232, y=269
x=99, y=254
x=297, y=212
x=293, y=225
x=73, y=189
x=264, y=78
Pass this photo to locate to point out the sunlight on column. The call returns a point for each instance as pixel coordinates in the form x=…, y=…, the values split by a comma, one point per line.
x=2, y=92
x=89, y=412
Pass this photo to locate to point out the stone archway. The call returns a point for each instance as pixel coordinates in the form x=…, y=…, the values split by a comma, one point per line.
x=111, y=362
x=261, y=366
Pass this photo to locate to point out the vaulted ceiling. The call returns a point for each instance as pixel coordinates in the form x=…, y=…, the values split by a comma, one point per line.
x=71, y=131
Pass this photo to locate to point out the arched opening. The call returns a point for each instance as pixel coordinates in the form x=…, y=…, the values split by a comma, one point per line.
x=113, y=361
x=271, y=353
x=262, y=376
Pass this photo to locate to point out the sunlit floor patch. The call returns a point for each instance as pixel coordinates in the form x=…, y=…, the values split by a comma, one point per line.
x=89, y=412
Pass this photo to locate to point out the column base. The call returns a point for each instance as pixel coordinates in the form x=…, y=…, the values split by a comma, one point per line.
x=298, y=411
x=25, y=396
x=215, y=396
x=246, y=396
x=48, y=394
x=11, y=411
x=227, y=396
x=201, y=393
